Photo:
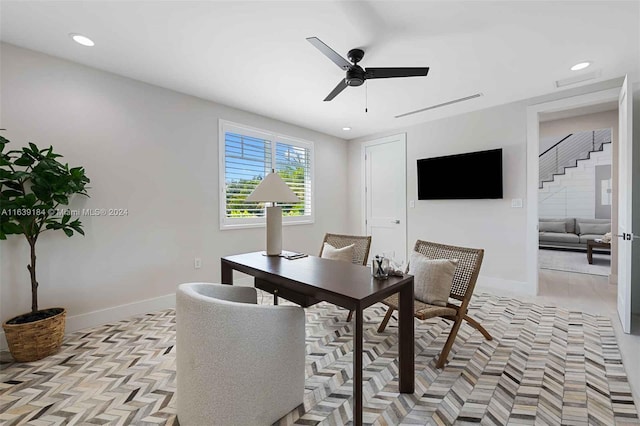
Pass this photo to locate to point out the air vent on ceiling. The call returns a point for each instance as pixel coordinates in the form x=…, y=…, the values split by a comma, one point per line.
x=578, y=79
x=455, y=101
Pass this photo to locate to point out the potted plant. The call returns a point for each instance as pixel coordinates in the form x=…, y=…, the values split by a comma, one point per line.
x=33, y=187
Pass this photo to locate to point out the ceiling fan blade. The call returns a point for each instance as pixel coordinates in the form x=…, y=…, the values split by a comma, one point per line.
x=336, y=91
x=330, y=53
x=396, y=72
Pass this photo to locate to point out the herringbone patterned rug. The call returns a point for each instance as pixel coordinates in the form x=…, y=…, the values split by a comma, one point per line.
x=545, y=366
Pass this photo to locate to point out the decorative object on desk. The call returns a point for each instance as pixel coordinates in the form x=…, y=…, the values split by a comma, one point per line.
x=344, y=254
x=391, y=257
x=606, y=238
x=292, y=255
x=396, y=272
x=273, y=190
x=396, y=267
x=380, y=267
x=33, y=187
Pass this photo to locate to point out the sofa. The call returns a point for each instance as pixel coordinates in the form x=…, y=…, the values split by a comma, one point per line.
x=569, y=232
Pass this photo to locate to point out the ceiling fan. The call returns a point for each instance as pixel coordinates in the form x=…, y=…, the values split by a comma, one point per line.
x=356, y=75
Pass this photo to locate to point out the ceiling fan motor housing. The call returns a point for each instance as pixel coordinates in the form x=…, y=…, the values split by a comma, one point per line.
x=355, y=76
x=355, y=55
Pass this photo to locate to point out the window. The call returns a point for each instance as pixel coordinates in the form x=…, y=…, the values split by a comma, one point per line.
x=246, y=156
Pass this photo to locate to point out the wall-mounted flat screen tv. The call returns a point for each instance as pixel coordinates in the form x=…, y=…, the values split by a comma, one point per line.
x=473, y=175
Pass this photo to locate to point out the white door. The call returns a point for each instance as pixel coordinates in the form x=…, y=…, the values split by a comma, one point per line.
x=625, y=233
x=385, y=180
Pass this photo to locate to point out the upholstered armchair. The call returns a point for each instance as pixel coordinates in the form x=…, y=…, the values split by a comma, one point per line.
x=238, y=363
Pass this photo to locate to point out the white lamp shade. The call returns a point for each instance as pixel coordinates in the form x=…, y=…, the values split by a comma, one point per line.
x=273, y=189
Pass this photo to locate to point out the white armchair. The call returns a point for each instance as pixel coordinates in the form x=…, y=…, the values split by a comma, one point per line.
x=238, y=363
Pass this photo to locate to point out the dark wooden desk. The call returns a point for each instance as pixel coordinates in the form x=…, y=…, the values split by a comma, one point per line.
x=311, y=279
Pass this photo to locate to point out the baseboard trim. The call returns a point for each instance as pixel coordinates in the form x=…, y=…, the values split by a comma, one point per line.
x=501, y=286
x=116, y=313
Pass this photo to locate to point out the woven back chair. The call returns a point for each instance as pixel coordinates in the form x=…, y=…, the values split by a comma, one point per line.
x=464, y=281
x=361, y=246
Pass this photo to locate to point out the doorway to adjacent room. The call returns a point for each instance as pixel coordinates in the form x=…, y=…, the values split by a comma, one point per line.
x=575, y=193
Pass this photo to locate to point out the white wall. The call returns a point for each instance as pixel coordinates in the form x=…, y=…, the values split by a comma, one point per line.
x=573, y=194
x=489, y=224
x=149, y=150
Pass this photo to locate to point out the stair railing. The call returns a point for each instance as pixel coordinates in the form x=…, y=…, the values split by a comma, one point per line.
x=568, y=150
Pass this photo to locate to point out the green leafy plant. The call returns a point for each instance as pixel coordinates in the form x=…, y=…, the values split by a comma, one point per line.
x=239, y=190
x=33, y=187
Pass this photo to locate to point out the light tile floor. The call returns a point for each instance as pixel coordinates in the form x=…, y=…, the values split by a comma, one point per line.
x=592, y=294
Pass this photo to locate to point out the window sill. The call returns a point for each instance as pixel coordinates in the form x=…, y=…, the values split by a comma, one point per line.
x=232, y=226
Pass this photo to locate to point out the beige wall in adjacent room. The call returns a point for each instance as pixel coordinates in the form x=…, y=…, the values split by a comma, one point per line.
x=585, y=123
x=153, y=152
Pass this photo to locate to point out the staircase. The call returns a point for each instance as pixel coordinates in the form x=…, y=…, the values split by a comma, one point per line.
x=573, y=193
x=569, y=151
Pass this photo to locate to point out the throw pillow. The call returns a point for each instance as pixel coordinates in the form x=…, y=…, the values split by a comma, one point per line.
x=345, y=253
x=558, y=227
x=594, y=228
x=433, y=278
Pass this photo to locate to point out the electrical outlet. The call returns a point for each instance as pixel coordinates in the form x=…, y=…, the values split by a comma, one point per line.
x=412, y=204
x=197, y=263
x=516, y=203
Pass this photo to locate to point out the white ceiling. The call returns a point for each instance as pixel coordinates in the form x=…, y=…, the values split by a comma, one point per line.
x=254, y=56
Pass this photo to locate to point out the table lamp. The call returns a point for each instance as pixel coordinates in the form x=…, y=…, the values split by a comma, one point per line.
x=274, y=190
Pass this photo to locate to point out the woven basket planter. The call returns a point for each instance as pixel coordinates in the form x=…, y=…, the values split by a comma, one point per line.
x=35, y=340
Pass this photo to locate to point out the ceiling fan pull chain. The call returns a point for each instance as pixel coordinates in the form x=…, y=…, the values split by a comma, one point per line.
x=366, y=97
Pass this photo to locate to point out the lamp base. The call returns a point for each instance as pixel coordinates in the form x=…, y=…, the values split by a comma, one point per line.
x=274, y=231
x=264, y=253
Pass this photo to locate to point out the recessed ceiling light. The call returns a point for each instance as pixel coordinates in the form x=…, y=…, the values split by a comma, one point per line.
x=346, y=129
x=580, y=66
x=83, y=40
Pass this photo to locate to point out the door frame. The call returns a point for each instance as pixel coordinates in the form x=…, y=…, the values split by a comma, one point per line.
x=402, y=138
x=533, y=142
